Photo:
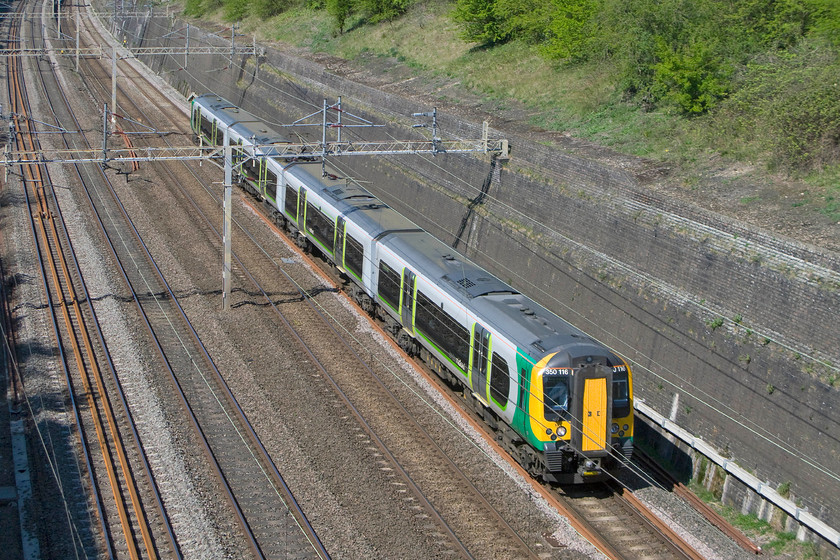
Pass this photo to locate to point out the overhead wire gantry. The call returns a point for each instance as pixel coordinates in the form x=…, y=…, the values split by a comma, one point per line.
x=222, y=155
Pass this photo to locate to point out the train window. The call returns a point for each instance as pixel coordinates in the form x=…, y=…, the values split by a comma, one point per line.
x=321, y=226
x=353, y=256
x=389, y=285
x=499, y=380
x=556, y=396
x=291, y=202
x=207, y=128
x=620, y=394
x=451, y=338
x=238, y=153
x=270, y=182
x=251, y=170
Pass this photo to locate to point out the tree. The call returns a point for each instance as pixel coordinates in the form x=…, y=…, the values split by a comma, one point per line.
x=571, y=29
x=691, y=76
x=479, y=21
x=383, y=10
x=340, y=10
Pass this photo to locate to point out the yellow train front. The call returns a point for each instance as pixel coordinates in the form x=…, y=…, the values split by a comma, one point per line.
x=579, y=413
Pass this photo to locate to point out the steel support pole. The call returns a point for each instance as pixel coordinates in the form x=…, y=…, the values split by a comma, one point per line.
x=324, y=139
x=227, y=225
x=339, y=119
x=232, y=44
x=114, y=85
x=77, y=41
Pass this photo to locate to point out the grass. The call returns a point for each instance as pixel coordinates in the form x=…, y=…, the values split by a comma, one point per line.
x=581, y=100
x=760, y=531
x=828, y=182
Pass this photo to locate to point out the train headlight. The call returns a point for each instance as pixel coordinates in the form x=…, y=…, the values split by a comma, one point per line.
x=561, y=431
x=625, y=427
x=592, y=465
x=614, y=428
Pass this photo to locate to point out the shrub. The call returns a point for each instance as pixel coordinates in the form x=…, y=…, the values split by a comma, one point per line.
x=236, y=10
x=479, y=21
x=382, y=10
x=571, y=29
x=265, y=9
x=691, y=77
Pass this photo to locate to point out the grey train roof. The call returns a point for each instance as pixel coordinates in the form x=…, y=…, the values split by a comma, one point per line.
x=519, y=318
x=242, y=122
x=529, y=325
x=225, y=111
x=368, y=212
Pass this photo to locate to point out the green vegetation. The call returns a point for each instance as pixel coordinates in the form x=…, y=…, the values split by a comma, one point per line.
x=758, y=530
x=679, y=81
x=784, y=490
x=715, y=323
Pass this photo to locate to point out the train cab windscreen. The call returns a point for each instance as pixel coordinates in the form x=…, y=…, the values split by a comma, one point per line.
x=556, y=395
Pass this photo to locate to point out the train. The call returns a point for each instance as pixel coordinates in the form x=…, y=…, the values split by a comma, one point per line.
x=558, y=401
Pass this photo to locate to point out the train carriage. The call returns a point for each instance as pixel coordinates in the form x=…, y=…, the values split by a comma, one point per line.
x=560, y=402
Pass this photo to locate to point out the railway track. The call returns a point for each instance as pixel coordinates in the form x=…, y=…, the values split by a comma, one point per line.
x=267, y=513
x=83, y=356
x=696, y=503
x=416, y=441
x=655, y=542
x=622, y=526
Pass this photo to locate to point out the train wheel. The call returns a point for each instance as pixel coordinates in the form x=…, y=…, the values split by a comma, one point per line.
x=407, y=343
x=361, y=298
x=302, y=242
x=528, y=459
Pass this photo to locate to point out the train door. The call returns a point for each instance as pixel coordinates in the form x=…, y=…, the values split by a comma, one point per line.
x=407, y=299
x=338, y=249
x=591, y=398
x=480, y=351
x=301, y=209
x=594, y=426
x=261, y=177
x=237, y=160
